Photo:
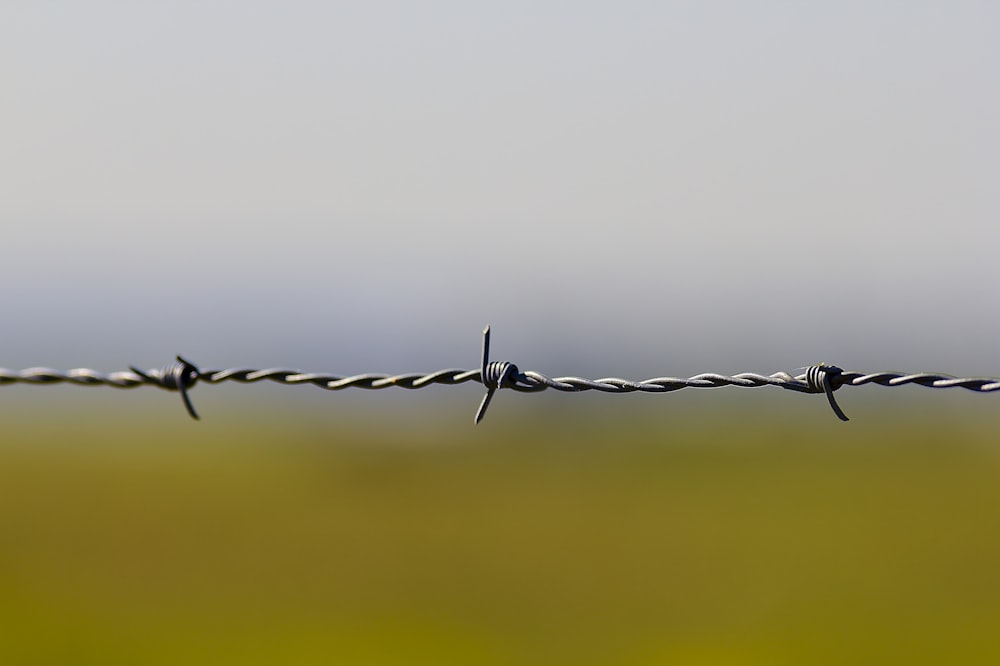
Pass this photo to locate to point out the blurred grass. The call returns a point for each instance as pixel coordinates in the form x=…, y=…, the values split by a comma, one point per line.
x=712, y=537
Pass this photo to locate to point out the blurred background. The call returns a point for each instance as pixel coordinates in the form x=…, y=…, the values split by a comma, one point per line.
x=632, y=189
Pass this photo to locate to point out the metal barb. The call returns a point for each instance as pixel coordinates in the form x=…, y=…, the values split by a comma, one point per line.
x=494, y=375
x=820, y=379
x=490, y=390
x=179, y=376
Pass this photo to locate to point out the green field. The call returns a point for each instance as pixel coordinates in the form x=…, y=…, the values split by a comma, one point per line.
x=566, y=536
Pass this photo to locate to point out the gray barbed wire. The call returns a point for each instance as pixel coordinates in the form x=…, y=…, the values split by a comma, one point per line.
x=182, y=375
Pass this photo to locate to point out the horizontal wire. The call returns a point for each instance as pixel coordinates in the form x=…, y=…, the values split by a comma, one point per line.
x=528, y=382
x=183, y=375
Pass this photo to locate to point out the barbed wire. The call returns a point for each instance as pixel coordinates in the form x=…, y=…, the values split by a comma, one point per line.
x=182, y=375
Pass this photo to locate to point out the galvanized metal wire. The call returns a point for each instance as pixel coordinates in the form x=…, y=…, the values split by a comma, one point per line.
x=182, y=375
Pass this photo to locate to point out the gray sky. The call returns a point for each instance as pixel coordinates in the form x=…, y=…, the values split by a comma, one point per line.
x=629, y=188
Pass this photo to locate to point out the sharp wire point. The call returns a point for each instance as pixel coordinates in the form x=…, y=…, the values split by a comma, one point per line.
x=481, y=412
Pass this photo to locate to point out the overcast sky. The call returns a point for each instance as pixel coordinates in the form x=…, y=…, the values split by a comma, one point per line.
x=626, y=188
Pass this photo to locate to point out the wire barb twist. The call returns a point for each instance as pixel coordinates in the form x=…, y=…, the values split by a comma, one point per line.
x=825, y=378
x=493, y=375
x=178, y=376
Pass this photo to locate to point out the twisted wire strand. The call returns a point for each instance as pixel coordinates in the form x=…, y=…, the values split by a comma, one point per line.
x=527, y=382
x=79, y=376
x=182, y=375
